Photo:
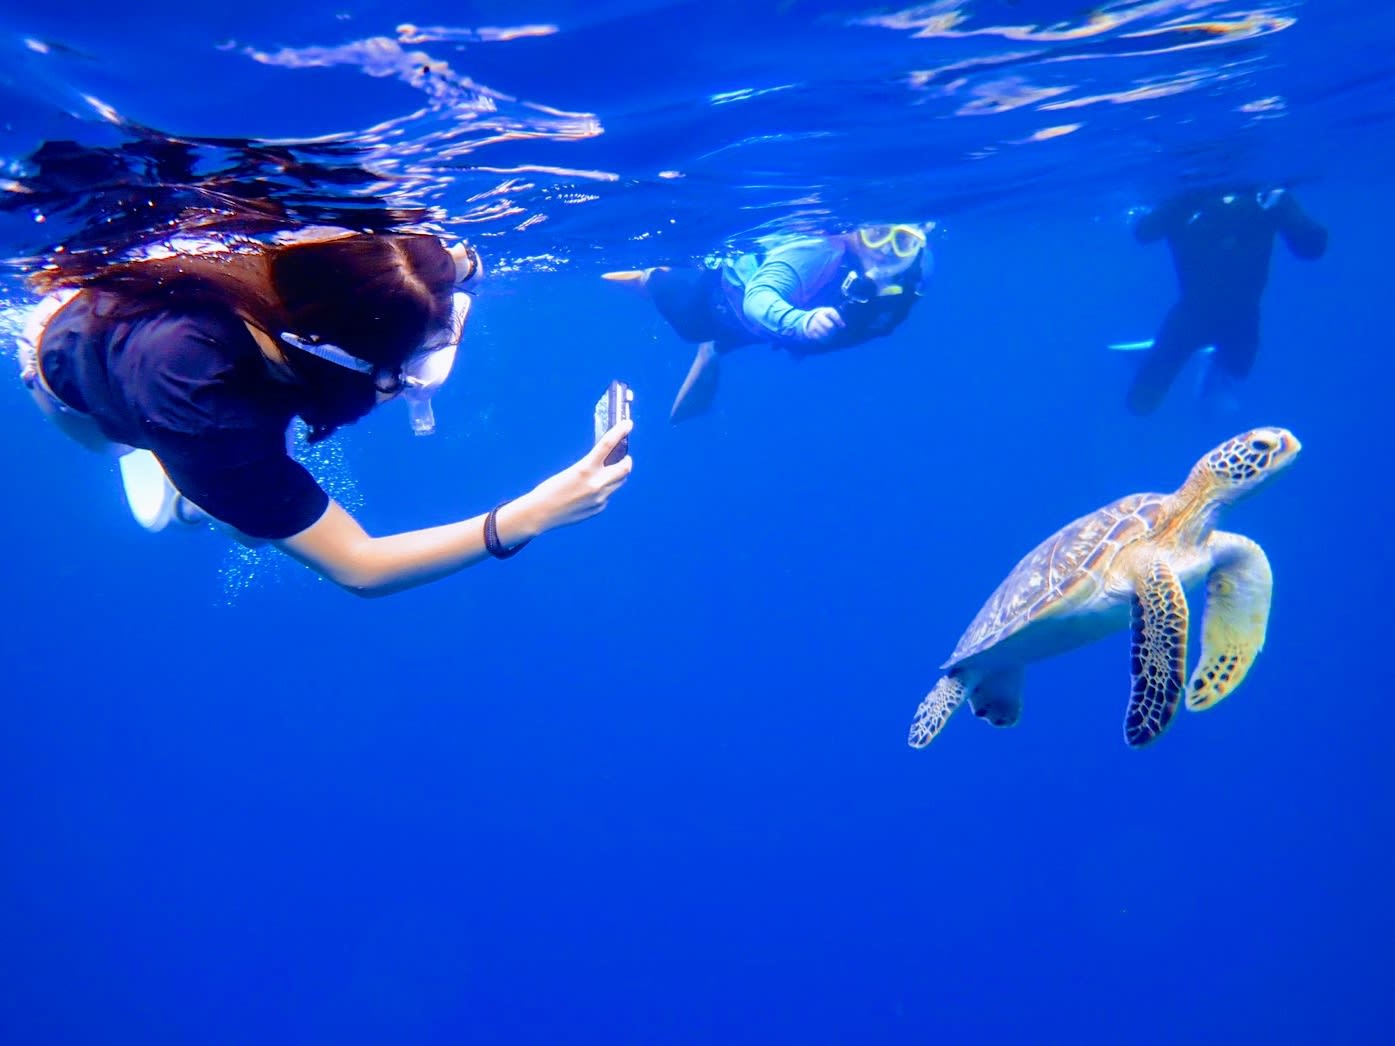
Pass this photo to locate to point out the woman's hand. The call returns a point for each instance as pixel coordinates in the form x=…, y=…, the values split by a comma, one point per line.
x=574, y=494
x=822, y=323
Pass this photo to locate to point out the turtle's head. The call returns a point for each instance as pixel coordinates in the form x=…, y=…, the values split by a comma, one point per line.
x=1243, y=463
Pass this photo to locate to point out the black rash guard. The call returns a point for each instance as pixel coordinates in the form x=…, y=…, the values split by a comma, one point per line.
x=193, y=388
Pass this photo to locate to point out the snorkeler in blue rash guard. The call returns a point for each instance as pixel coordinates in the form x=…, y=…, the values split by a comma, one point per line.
x=1221, y=240
x=807, y=296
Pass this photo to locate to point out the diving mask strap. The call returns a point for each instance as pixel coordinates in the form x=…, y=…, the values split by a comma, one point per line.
x=327, y=352
x=419, y=378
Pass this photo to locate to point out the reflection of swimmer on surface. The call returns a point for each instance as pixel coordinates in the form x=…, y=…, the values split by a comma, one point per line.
x=806, y=296
x=191, y=367
x=1221, y=240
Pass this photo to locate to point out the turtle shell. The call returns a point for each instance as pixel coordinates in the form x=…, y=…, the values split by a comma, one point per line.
x=1065, y=570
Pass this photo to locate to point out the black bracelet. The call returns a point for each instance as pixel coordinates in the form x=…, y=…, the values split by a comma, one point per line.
x=491, y=536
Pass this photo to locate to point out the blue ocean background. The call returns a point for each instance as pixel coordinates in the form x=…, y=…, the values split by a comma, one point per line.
x=648, y=781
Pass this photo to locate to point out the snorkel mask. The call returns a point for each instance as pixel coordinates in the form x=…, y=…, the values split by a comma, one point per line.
x=886, y=252
x=427, y=369
x=904, y=241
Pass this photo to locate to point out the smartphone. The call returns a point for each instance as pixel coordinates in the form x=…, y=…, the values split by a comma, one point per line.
x=612, y=408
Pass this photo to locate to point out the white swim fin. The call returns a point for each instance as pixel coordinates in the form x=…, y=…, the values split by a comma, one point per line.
x=151, y=497
x=149, y=492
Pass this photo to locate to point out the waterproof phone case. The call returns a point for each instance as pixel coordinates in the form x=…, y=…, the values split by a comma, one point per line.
x=612, y=408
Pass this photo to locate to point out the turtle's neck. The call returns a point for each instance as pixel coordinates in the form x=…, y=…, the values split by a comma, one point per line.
x=1197, y=507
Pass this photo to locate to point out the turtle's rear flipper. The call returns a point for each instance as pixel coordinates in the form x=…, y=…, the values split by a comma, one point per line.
x=1159, y=654
x=699, y=387
x=936, y=709
x=998, y=698
x=1236, y=618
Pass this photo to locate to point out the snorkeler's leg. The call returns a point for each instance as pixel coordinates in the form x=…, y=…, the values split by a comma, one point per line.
x=685, y=298
x=79, y=428
x=1183, y=332
x=151, y=497
x=693, y=303
x=1237, y=344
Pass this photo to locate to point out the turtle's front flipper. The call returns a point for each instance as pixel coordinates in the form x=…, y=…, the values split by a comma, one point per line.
x=1159, y=653
x=1236, y=617
x=998, y=698
x=936, y=709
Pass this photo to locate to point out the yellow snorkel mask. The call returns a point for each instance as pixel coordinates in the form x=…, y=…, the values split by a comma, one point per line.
x=904, y=241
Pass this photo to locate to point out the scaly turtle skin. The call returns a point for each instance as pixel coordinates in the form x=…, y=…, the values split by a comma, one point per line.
x=1129, y=562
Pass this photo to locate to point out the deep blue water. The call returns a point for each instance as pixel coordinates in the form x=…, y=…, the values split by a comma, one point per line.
x=647, y=782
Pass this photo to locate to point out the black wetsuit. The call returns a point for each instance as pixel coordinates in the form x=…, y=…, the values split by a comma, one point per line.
x=1221, y=241
x=194, y=389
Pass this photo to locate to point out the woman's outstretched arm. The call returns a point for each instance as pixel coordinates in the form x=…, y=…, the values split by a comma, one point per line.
x=336, y=547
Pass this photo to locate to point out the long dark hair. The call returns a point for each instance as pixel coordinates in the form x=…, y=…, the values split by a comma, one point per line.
x=376, y=296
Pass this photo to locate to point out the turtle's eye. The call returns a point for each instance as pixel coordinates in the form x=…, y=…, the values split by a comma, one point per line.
x=1261, y=445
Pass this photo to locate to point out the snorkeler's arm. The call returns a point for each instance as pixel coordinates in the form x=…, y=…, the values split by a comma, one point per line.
x=795, y=274
x=336, y=547
x=1305, y=237
x=766, y=302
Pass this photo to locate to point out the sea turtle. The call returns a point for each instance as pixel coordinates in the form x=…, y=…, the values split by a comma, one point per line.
x=1131, y=560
